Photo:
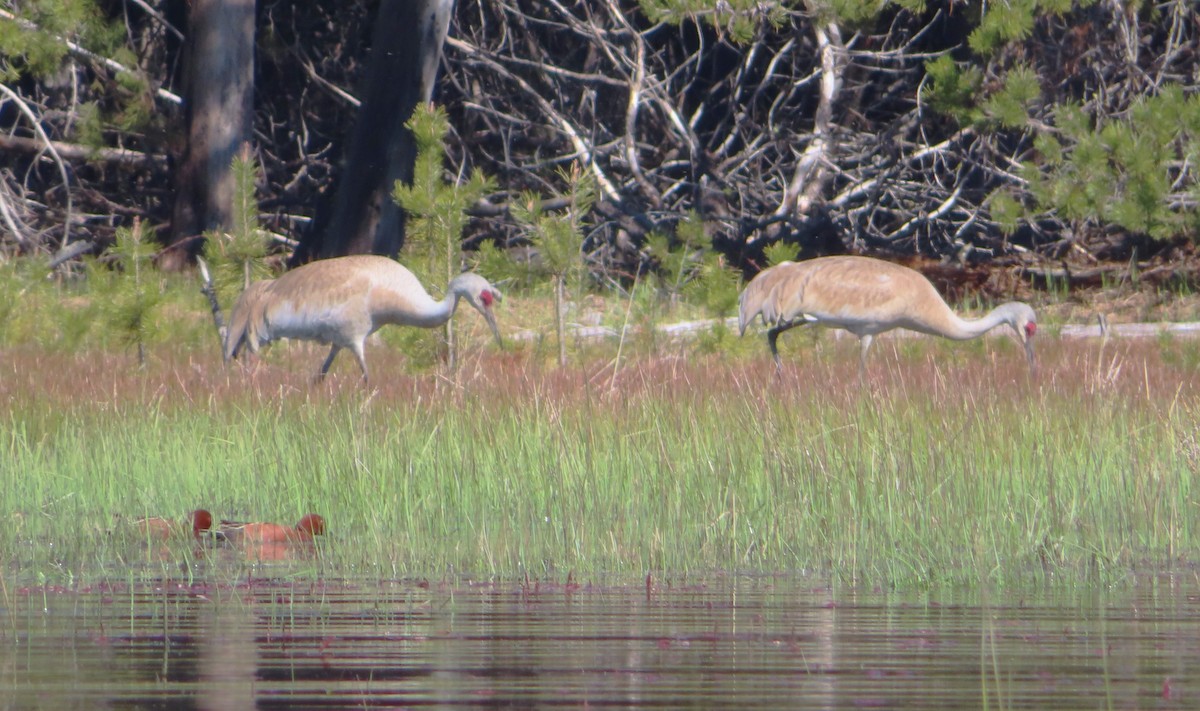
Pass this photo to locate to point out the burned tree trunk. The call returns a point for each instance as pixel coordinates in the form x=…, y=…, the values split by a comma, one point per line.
x=405, y=50
x=219, y=112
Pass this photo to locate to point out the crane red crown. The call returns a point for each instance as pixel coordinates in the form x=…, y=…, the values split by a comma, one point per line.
x=486, y=297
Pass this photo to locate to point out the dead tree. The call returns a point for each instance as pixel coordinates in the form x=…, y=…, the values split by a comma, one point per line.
x=219, y=113
x=405, y=51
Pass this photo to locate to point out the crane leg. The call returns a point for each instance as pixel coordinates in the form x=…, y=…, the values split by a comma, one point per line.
x=361, y=357
x=772, y=337
x=864, y=346
x=333, y=351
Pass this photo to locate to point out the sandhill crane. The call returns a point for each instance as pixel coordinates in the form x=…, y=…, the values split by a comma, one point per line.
x=343, y=300
x=865, y=296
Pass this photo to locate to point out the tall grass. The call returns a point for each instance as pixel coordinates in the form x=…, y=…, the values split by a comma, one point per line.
x=946, y=466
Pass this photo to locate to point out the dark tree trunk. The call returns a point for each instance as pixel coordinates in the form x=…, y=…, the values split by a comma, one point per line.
x=362, y=217
x=219, y=112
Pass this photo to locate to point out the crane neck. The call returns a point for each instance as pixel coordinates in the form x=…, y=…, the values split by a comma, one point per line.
x=964, y=329
x=439, y=312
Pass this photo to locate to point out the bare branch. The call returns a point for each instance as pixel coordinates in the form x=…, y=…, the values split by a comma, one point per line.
x=583, y=150
x=76, y=152
x=90, y=56
x=808, y=179
x=36, y=125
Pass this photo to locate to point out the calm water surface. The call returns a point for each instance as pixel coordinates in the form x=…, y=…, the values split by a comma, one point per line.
x=718, y=642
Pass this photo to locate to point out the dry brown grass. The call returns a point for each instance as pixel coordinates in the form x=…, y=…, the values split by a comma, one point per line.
x=897, y=368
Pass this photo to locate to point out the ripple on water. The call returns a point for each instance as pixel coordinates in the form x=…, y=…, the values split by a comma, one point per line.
x=753, y=643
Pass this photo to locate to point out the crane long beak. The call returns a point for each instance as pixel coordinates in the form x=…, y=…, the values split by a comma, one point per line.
x=1029, y=355
x=491, y=321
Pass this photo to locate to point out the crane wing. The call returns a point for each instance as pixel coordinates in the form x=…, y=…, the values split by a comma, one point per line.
x=246, y=326
x=759, y=295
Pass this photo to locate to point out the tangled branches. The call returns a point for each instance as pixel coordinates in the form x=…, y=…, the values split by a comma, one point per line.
x=810, y=131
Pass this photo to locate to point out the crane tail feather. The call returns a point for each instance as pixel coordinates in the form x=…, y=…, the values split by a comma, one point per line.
x=246, y=326
x=235, y=335
x=756, y=298
x=743, y=315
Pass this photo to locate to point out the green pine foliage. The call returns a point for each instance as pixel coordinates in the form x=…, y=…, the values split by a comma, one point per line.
x=956, y=90
x=557, y=236
x=35, y=47
x=1121, y=170
x=1006, y=210
x=127, y=293
x=436, y=208
x=89, y=125
x=861, y=12
x=1001, y=23
x=237, y=257
x=688, y=266
x=1011, y=104
x=21, y=318
x=436, y=215
x=953, y=89
x=1125, y=169
x=31, y=48
x=781, y=252
x=716, y=287
x=741, y=18
x=679, y=260
x=711, y=282
x=1007, y=21
x=501, y=267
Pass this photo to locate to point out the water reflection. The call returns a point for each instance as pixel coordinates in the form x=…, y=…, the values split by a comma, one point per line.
x=761, y=643
x=228, y=658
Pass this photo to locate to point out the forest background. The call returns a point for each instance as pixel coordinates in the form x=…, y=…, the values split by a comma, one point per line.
x=1052, y=138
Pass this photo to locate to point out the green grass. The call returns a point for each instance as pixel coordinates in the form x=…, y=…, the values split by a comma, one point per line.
x=946, y=466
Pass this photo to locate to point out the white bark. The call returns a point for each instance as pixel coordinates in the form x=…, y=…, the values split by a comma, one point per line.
x=810, y=175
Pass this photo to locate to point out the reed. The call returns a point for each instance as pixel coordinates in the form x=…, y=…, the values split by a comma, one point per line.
x=946, y=466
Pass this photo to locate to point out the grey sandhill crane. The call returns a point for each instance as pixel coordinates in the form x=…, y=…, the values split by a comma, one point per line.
x=866, y=297
x=343, y=300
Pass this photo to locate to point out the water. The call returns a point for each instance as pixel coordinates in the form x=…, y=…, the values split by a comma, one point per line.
x=719, y=642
